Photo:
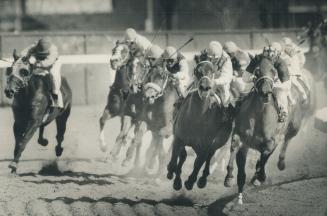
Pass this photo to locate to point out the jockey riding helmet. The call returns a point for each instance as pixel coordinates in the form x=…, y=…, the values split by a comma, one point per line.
x=170, y=54
x=130, y=34
x=43, y=47
x=215, y=50
x=230, y=47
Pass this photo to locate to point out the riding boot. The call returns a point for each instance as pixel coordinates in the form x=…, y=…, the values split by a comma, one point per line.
x=54, y=100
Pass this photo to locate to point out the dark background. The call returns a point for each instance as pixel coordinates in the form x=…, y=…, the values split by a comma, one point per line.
x=166, y=15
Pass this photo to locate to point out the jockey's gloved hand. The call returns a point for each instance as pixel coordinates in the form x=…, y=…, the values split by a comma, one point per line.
x=32, y=60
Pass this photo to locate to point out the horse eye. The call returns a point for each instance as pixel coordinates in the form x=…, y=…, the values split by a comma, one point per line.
x=8, y=71
x=24, y=72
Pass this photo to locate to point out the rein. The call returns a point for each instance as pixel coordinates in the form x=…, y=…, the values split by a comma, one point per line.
x=157, y=88
x=263, y=78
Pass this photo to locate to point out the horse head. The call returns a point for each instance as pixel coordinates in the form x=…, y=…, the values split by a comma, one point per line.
x=156, y=83
x=18, y=75
x=265, y=75
x=205, y=74
x=120, y=55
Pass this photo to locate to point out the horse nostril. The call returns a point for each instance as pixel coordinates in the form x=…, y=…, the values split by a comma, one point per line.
x=9, y=92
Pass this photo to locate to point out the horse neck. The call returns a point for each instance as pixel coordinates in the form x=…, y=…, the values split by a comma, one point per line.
x=199, y=107
x=36, y=86
x=266, y=113
x=121, y=78
x=169, y=96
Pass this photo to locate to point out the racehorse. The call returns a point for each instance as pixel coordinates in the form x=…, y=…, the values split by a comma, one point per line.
x=132, y=106
x=257, y=127
x=125, y=82
x=31, y=89
x=159, y=96
x=199, y=125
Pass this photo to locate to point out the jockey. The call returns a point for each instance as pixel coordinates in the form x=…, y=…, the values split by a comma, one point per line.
x=242, y=81
x=177, y=65
x=137, y=43
x=221, y=59
x=44, y=54
x=283, y=84
x=153, y=55
x=295, y=59
x=240, y=59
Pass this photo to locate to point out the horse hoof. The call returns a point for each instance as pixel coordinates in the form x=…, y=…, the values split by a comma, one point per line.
x=13, y=167
x=202, y=182
x=177, y=184
x=43, y=142
x=281, y=165
x=228, y=182
x=188, y=185
x=170, y=176
x=59, y=151
x=256, y=183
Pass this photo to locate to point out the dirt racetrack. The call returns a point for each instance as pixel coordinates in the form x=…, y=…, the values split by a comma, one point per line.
x=80, y=183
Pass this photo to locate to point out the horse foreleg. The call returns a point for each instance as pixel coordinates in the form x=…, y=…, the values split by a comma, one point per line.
x=150, y=155
x=162, y=155
x=105, y=116
x=260, y=173
x=199, y=161
x=135, y=145
x=61, y=129
x=177, y=146
x=182, y=158
x=234, y=148
x=206, y=171
x=281, y=161
x=138, y=142
x=23, y=137
x=41, y=140
x=290, y=134
x=121, y=140
x=241, y=175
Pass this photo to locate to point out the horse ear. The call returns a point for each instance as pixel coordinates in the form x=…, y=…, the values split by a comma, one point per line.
x=16, y=57
x=117, y=42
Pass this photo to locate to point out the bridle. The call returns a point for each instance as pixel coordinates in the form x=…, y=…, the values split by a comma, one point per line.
x=205, y=77
x=159, y=90
x=123, y=60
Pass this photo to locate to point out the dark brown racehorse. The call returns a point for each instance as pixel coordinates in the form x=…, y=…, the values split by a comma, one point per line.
x=30, y=88
x=257, y=127
x=200, y=126
x=125, y=82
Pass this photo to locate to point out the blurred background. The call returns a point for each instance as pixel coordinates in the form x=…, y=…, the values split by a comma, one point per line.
x=113, y=15
x=89, y=29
